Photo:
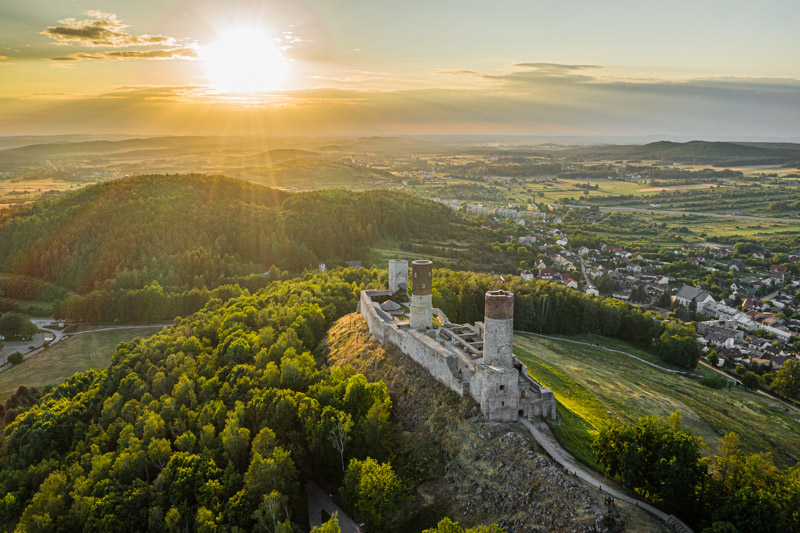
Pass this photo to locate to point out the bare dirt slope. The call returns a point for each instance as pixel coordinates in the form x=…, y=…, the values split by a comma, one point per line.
x=474, y=471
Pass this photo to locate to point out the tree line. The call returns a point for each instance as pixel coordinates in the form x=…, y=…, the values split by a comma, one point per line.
x=550, y=308
x=727, y=493
x=153, y=247
x=212, y=424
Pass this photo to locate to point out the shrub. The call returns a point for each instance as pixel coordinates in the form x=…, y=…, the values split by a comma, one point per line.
x=15, y=358
x=716, y=382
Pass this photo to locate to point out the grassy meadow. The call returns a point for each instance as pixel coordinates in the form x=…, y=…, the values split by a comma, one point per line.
x=75, y=354
x=595, y=387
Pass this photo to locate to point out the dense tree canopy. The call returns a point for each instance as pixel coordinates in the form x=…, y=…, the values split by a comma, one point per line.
x=191, y=230
x=156, y=245
x=16, y=326
x=545, y=307
x=213, y=423
x=726, y=493
x=787, y=380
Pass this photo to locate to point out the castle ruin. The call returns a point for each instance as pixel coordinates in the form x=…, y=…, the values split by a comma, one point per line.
x=474, y=359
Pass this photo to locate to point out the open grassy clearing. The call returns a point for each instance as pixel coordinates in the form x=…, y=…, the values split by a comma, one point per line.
x=595, y=387
x=384, y=250
x=76, y=354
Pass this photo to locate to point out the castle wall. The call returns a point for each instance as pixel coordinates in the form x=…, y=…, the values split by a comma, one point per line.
x=443, y=365
x=376, y=319
x=498, y=381
x=497, y=390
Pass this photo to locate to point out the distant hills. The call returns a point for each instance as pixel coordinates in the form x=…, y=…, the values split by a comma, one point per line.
x=698, y=152
x=312, y=173
x=313, y=163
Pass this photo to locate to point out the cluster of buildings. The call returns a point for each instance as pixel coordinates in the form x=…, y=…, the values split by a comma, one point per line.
x=752, y=323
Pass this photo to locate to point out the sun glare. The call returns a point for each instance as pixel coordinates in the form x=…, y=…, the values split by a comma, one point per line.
x=245, y=61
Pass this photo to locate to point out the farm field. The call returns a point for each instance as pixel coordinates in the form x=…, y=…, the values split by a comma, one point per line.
x=595, y=387
x=75, y=354
x=21, y=192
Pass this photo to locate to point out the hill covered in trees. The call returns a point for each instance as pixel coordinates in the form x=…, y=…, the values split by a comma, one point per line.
x=216, y=421
x=475, y=470
x=174, y=234
x=701, y=152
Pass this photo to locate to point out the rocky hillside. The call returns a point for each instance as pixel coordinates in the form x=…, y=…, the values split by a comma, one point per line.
x=474, y=471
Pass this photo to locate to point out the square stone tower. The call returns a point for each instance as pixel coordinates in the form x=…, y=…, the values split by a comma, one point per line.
x=398, y=276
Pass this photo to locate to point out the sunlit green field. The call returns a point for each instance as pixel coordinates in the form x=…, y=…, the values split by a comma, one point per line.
x=76, y=354
x=595, y=387
x=384, y=250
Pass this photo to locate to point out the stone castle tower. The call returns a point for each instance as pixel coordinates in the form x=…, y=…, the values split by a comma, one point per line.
x=398, y=276
x=470, y=359
x=499, y=393
x=421, y=317
x=498, y=324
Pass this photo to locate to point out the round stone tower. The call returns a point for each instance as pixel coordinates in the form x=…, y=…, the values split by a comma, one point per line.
x=421, y=303
x=398, y=276
x=498, y=335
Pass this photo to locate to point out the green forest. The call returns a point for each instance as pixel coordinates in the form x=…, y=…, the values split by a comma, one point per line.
x=154, y=247
x=214, y=423
x=727, y=493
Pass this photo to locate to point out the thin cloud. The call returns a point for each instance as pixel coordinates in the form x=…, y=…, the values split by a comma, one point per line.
x=117, y=55
x=459, y=72
x=555, y=68
x=102, y=29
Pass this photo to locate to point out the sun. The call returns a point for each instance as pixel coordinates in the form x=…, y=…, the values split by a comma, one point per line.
x=245, y=61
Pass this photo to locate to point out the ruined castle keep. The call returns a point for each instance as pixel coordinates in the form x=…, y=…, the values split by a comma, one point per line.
x=474, y=359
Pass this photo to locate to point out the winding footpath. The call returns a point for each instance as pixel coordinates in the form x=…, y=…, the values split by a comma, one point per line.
x=645, y=361
x=541, y=432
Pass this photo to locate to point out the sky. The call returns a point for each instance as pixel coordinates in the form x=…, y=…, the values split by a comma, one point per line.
x=696, y=69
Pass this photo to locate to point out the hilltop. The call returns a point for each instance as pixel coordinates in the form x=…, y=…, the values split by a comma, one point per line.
x=150, y=235
x=472, y=469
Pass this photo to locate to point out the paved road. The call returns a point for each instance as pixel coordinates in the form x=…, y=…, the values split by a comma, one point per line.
x=698, y=213
x=59, y=335
x=145, y=326
x=547, y=440
x=319, y=501
x=585, y=277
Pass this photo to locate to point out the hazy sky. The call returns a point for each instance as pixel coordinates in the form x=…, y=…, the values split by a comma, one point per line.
x=704, y=69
